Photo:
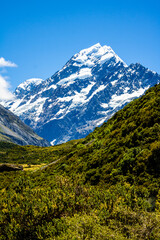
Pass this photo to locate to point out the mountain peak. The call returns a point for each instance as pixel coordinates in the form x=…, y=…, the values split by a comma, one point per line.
x=88, y=90
x=91, y=49
x=35, y=81
x=97, y=45
x=95, y=54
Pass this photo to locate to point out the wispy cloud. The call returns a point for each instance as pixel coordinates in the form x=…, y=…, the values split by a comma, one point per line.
x=5, y=93
x=4, y=63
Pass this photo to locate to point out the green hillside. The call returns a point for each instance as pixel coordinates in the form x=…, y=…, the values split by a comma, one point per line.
x=105, y=186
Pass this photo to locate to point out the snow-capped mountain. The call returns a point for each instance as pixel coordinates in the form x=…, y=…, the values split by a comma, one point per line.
x=89, y=89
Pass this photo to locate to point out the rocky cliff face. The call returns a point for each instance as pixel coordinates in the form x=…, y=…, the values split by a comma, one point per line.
x=89, y=89
x=12, y=129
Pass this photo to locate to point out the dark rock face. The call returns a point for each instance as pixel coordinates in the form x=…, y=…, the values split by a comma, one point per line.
x=12, y=129
x=6, y=167
x=89, y=89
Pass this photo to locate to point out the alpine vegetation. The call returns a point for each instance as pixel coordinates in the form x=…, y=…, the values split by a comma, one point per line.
x=105, y=186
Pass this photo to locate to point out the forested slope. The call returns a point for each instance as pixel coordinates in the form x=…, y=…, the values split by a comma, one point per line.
x=105, y=186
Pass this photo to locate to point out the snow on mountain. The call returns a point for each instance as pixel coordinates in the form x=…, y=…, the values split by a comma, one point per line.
x=89, y=89
x=93, y=55
x=28, y=83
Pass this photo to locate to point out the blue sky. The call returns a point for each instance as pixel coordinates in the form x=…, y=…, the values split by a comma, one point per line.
x=40, y=36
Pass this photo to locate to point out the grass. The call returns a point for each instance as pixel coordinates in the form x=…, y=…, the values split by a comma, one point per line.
x=28, y=167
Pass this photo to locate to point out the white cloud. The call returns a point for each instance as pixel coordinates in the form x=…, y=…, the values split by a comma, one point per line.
x=5, y=94
x=4, y=63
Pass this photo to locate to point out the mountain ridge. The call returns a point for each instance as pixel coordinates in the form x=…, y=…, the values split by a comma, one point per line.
x=88, y=90
x=12, y=129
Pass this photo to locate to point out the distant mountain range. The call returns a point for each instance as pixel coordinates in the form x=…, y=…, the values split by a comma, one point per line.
x=12, y=129
x=93, y=85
